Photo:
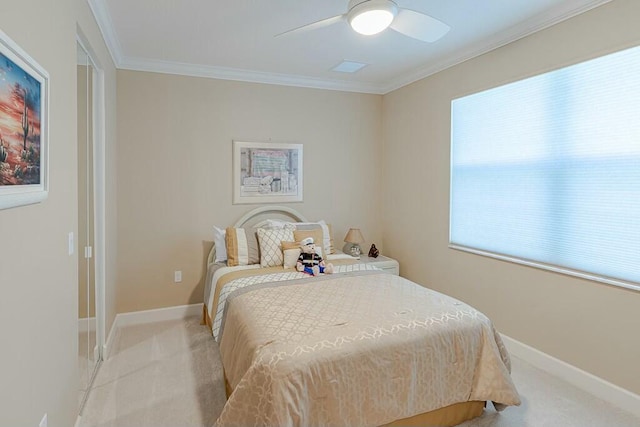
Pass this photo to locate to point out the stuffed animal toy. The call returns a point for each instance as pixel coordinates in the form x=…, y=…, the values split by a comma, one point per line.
x=309, y=261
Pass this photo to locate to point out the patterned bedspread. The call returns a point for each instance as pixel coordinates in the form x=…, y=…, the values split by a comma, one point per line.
x=216, y=307
x=363, y=348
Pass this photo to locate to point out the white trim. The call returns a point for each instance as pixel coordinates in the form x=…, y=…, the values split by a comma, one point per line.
x=158, y=315
x=225, y=73
x=108, y=345
x=147, y=316
x=99, y=183
x=87, y=324
x=501, y=39
x=549, y=267
x=103, y=18
x=590, y=383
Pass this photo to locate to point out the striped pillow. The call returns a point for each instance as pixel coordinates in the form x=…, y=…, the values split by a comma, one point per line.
x=242, y=246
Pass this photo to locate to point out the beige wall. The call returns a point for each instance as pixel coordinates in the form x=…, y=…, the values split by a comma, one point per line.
x=589, y=325
x=39, y=307
x=174, y=170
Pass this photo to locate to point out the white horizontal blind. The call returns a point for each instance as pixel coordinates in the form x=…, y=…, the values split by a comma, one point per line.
x=547, y=169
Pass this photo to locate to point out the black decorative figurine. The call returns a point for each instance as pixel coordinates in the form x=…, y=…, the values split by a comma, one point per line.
x=374, y=252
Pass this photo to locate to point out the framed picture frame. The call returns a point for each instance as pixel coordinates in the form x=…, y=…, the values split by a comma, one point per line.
x=24, y=127
x=265, y=172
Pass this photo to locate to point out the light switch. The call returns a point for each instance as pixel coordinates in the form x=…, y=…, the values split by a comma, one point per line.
x=71, y=244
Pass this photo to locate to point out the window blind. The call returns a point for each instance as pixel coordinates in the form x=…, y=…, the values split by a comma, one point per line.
x=546, y=170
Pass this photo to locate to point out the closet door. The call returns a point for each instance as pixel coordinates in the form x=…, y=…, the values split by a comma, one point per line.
x=88, y=354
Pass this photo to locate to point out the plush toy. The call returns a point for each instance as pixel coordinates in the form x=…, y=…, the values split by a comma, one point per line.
x=309, y=261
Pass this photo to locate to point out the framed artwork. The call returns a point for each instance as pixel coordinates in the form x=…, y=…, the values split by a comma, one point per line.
x=24, y=103
x=267, y=172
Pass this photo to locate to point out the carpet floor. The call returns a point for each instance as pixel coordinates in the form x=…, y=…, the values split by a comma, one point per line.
x=168, y=374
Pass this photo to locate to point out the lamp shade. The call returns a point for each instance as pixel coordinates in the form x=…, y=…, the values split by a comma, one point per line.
x=354, y=236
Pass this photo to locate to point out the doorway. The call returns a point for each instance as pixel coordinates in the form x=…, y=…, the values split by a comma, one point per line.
x=90, y=233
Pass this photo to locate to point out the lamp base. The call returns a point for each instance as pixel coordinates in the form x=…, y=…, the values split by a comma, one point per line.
x=352, y=249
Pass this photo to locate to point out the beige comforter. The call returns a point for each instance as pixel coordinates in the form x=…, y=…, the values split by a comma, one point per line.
x=359, y=349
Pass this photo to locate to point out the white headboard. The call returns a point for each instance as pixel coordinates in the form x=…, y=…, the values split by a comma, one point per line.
x=256, y=217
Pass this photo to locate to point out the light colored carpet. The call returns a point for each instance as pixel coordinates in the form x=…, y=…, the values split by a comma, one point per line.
x=86, y=364
x=169, y=374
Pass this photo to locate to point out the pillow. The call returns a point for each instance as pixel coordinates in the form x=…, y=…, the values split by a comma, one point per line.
x=270, y=245
x=325, y=241
x=275, y=224
x=221, y=246
x=317, y=239
x=329, y=248
x=291, y=252
x=242, y=246
x=289, y=245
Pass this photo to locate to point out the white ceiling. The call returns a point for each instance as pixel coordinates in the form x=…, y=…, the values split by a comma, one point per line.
x=235, y=40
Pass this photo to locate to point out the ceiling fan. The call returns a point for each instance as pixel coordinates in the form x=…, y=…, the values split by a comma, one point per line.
x=370, y=17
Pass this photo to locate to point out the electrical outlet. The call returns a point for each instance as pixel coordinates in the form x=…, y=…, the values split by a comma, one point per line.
x=43, y=421
x=177, y=276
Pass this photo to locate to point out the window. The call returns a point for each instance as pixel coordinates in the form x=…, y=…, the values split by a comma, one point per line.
x=546, y=171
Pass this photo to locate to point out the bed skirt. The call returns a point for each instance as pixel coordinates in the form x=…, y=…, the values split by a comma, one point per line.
x=448, y=416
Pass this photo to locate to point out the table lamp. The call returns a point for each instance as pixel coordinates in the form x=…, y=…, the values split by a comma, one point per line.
x=353, y=239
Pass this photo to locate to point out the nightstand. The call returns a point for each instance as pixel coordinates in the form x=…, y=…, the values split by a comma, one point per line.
x=387, y=264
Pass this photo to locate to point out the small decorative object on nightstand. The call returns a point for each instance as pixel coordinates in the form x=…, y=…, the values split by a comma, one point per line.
x=353, y=239
x=373, y=251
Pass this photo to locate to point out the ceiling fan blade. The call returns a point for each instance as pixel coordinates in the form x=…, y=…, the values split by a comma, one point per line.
x=419, y=26
x=314, y=25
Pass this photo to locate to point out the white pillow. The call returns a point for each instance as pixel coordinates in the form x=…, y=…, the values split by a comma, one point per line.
x=277, y=224
x=326, y=237
x=270, y=242
x=219, y=235
x=291, y=257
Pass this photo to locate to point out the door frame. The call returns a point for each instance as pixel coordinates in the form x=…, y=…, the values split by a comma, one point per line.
x=99, y=192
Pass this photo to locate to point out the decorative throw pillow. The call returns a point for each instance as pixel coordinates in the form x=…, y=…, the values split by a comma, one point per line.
x=326, y=241
x=316, y=234
x=270, y=245
x=242, y=246
x=291, y=253
x=221, y=246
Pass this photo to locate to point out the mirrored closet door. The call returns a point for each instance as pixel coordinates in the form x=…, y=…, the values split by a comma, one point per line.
x=89, y=354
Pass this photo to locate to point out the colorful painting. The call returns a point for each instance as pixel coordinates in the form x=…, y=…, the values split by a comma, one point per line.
x=23, y=93
x=267, y=172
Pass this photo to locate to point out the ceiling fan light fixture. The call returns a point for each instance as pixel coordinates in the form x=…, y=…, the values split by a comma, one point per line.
x=372, y=16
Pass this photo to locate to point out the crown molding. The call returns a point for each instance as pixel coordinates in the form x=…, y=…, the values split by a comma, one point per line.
x=223, y=73
x=99, y=9
x=103, y=18
x=504, y=38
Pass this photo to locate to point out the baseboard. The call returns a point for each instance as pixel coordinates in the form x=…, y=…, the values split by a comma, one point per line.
x=148, y=316
x=108, y=345
x=158, y=315
x=584, y=380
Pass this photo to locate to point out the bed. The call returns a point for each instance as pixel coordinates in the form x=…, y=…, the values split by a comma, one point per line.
x=358, y=347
